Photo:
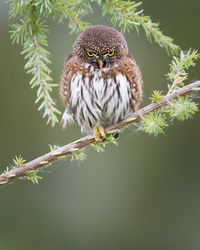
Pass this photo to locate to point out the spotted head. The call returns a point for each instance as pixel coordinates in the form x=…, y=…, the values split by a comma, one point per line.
x=100, y=46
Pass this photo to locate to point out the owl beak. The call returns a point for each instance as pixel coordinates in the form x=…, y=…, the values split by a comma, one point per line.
x=100, y=63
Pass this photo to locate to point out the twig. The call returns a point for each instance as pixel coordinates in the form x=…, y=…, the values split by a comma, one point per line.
x=70, y=148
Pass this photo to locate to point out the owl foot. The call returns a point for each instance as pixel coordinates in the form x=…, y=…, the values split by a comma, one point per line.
x=99, y=133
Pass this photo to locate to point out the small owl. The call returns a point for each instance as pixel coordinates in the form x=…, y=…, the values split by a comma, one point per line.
x=101, y=83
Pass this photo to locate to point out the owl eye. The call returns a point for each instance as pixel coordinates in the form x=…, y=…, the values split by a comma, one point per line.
x=90, y=54
x=111, y=53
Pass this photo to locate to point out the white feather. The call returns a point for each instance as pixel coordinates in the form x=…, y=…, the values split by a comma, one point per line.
x=67, y=118
x=90, y=103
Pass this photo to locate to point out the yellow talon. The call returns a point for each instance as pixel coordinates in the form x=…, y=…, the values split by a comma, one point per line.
x=99, y=133
x=96, y=135
x=102, y=132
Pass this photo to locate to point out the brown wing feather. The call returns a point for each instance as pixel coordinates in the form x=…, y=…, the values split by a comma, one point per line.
x=65, y=81
x=134, y=76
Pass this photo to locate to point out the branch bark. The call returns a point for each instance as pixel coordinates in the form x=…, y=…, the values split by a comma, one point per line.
x=46, y=159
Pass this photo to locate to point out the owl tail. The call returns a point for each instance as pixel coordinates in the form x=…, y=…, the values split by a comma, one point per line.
x=67, y=118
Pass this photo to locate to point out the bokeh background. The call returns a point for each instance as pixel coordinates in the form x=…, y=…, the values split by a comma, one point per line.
x=143, y=194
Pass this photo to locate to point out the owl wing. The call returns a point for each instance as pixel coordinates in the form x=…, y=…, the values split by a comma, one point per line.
x=134, y=76
x=64, y=91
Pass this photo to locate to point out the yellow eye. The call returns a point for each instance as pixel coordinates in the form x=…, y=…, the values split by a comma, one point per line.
x=111, y=53
x=90, y=54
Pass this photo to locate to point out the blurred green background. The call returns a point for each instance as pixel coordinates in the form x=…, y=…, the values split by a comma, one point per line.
x=143, y=194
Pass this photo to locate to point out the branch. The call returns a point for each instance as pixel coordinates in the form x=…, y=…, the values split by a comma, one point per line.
x=71, y=148
x=127, y=16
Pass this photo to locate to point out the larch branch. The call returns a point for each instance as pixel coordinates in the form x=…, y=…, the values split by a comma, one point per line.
x=54, y=155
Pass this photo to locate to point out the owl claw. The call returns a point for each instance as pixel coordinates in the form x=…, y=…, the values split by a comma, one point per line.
x=102, y=132
x=99, y=133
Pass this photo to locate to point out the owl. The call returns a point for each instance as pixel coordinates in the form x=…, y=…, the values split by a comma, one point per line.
x=101, y=83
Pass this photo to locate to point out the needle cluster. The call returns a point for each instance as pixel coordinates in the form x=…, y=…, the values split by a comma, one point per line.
x=182, y=108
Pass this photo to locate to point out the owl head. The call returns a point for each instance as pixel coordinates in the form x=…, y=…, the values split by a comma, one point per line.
x=100, y=46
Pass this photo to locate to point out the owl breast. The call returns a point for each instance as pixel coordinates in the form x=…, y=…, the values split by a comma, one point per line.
x=99, y=101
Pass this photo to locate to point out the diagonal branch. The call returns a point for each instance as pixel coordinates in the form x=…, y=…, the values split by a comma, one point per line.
x=45, y=160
